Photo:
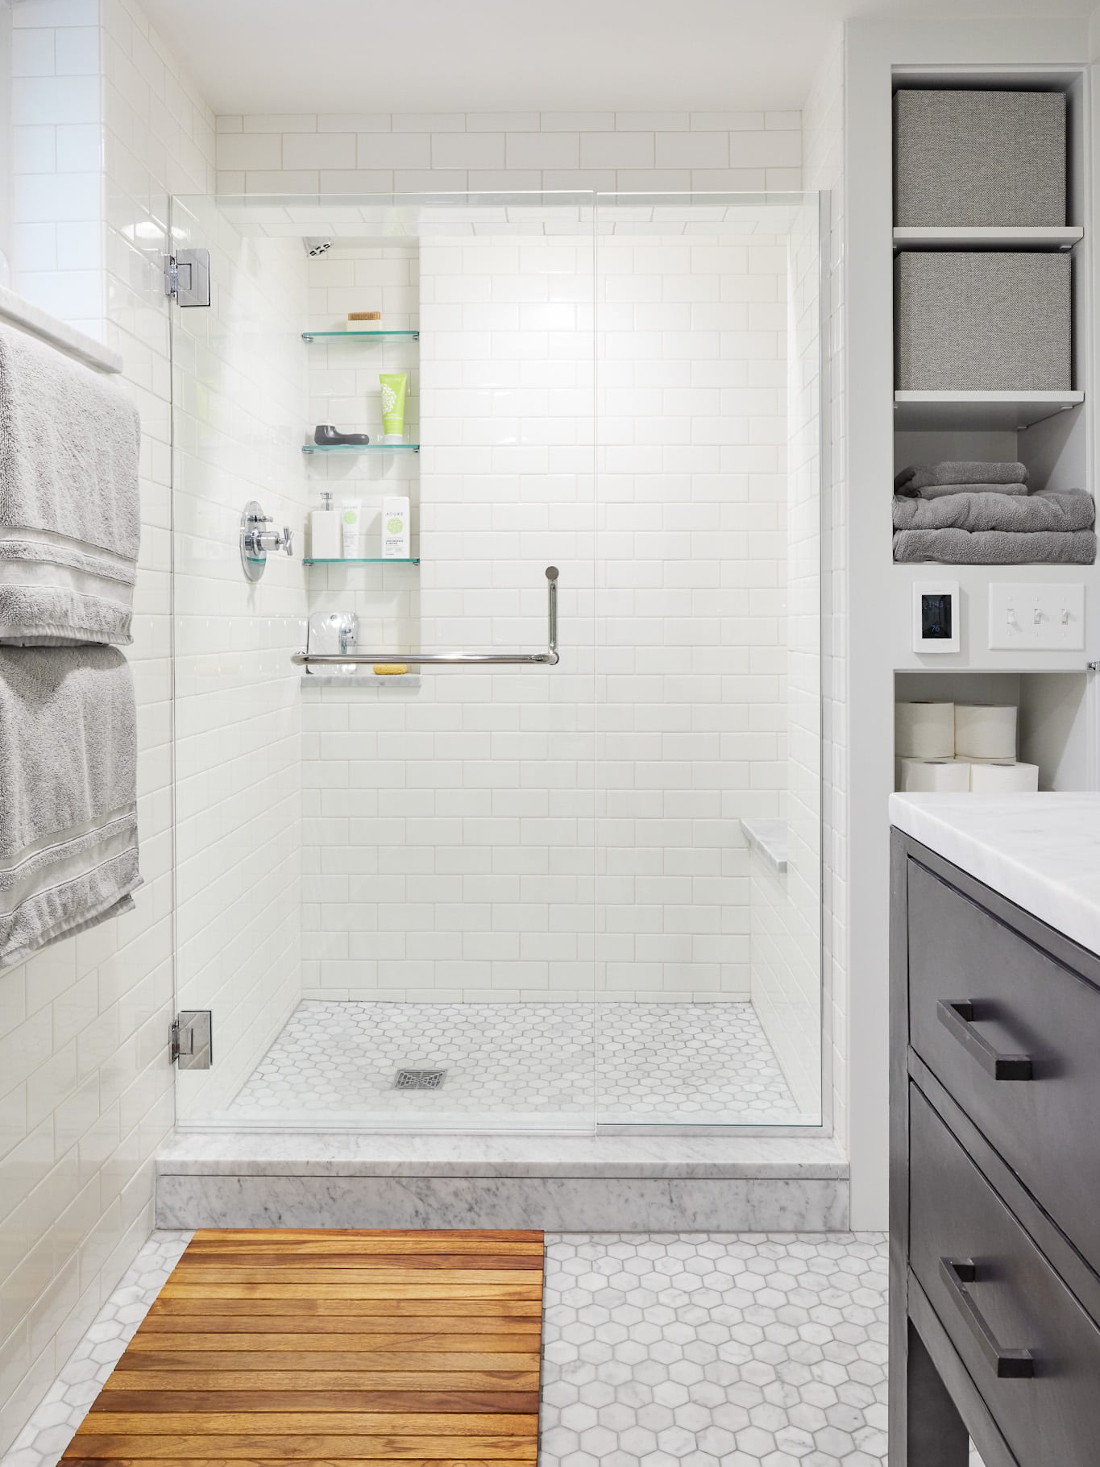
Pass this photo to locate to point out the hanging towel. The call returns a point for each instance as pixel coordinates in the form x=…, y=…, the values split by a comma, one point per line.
x=918, y=477
x=68, y=811
x=69, y=512
x=996, y=547
x=1047, y=510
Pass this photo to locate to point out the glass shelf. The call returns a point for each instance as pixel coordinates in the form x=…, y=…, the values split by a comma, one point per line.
x=363, y=560
x=360, y=335
x=360, y=447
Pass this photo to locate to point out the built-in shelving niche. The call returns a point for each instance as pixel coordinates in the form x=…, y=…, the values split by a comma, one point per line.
x=1056, y=722
x=1046, y=431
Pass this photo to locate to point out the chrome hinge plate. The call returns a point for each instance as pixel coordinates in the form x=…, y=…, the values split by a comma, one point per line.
x=190, y=1041
x=187, y=277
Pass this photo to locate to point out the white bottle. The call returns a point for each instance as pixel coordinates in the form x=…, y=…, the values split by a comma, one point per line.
x=396, y=536
x=350, y=520
x=324, y=530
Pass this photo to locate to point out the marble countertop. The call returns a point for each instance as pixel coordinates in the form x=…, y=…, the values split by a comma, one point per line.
x=1040, y=851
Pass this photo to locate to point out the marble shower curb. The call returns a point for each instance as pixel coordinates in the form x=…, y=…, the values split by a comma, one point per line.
x=557, y=1183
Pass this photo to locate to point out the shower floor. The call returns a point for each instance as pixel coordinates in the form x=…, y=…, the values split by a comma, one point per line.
x=687, y=1064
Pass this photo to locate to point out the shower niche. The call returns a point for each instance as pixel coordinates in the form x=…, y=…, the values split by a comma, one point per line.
x=525, y=872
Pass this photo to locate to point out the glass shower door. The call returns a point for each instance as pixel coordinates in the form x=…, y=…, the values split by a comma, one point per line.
x=707, y=604
x=385, y=879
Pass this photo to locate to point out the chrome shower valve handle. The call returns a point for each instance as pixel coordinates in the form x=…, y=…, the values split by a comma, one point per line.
x=257, y=542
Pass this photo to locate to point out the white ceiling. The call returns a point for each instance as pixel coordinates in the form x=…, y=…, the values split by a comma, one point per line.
x=514, y=55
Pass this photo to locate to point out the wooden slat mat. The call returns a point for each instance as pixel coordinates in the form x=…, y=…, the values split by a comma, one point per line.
x=280, y=1347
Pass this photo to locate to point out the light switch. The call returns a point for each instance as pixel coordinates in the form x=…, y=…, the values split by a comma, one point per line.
x=1032, y=616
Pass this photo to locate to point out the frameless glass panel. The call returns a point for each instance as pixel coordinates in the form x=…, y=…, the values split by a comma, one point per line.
x=385, y=868
x=707, y=599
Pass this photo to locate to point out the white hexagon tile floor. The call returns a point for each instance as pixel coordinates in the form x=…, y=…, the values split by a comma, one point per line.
x=659, y=1350
x=334, y=1063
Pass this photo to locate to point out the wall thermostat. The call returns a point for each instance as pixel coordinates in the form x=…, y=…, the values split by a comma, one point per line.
x=936, y=616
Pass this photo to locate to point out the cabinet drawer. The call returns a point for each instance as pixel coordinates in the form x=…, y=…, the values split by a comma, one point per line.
x=1031, y=1350
x=986, y=1010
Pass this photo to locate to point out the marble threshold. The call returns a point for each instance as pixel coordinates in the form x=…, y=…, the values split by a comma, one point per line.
x=563, y=1183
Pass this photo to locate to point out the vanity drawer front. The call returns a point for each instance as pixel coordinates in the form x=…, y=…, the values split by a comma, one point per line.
x=1014, y=1307
x=1029, y=1013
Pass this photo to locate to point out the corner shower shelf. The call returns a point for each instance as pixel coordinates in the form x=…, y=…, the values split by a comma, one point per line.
x=361, y=448
x=975, y=237
x=922, y=411
x=360, y=335
x=364, y=560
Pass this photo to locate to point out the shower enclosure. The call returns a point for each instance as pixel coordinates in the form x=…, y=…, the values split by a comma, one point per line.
x=512, y=886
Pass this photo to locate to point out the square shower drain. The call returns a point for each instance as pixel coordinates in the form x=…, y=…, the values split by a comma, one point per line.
x=419, y=1079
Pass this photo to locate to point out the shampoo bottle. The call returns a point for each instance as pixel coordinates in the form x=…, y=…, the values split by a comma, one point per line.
x=324, y=530
x=350, y=516
x=396, y=537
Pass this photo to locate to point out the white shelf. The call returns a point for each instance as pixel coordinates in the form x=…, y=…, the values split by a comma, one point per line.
x=980, y=411
x=942, y=237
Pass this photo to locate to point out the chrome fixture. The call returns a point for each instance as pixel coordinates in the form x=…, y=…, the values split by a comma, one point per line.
x=346, y=623
x=190, y=1042
x=187, y=277
x=257, y=542
x=549, y=658
x=316, y=247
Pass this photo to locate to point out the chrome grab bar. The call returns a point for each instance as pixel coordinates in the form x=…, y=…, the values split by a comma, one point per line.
x=549, y=658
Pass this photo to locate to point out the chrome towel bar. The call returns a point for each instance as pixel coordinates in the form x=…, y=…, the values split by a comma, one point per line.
x=549, y=658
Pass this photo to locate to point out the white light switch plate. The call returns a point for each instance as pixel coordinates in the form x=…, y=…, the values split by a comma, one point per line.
x=1031, y=616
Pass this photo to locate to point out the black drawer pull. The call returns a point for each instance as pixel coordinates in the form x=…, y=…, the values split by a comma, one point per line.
x=957, y=1016
x=1006, y=1364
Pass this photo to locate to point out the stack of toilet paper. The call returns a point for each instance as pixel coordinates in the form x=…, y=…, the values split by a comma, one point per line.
x=959, y=747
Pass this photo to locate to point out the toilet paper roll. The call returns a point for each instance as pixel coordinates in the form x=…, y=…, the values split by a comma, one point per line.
x=985, y=732
x=1004, y=779
x=920, y=776
x=924, y=730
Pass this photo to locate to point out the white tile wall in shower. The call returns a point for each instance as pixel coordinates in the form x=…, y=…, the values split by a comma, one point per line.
x=692, y=598
x=380, y=152
x=85, y=1084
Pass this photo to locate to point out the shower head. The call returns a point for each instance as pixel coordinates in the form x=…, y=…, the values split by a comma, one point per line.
x=315, y=247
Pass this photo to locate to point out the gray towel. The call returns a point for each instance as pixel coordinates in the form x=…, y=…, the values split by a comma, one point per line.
x=69, y=511
x=996, y=547
x=1047, y=510
x=919, y=477
x=938, y=491
x=68, y=793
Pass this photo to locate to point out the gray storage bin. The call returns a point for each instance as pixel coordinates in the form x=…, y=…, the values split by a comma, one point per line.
x=979, y=158
x=982, y=321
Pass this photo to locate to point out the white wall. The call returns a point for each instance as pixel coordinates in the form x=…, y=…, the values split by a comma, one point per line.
x=85, y=1083
x=873, y=47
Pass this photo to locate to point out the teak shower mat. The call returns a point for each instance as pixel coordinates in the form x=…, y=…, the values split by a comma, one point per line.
x=285, y=1346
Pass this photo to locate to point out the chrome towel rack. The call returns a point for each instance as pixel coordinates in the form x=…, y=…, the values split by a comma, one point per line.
x=549, y=658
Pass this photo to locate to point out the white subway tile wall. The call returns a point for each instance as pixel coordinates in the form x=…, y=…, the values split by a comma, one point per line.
x=85, y=1083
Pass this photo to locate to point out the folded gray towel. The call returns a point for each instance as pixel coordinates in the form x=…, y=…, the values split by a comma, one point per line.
x=958, y=471
x=938, y=491
x=996, y=547
x=69, y=512
x=1047, y=510
x=68, y=767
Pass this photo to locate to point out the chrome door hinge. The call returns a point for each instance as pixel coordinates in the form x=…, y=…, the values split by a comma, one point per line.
x=190, y=1040
x=187, y=277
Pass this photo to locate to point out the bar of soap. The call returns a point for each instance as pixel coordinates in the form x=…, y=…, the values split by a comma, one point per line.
x=390, y=669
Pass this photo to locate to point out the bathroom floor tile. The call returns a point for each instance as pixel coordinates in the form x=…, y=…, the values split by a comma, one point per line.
x=764, y=1350
x=335, y=1062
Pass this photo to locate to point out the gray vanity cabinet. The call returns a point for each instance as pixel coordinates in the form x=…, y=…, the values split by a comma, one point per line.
x=995, y=1178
